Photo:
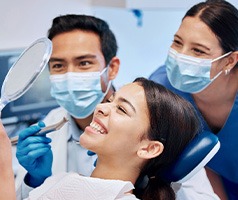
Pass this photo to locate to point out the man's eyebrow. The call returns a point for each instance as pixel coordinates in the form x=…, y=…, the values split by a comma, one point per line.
x=86, y=56
x=127, y=102
x=55, y=59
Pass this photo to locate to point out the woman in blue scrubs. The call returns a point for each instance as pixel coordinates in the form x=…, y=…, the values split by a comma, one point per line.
x=202, y=67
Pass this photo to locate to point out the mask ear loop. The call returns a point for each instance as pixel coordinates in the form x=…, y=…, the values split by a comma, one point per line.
x=227, y=71
x=226, y=54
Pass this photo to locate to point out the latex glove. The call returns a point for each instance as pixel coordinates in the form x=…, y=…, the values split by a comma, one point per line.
x=35, y=155
x=90, y=153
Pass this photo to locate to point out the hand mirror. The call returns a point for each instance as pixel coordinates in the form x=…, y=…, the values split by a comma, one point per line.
x=25, y=70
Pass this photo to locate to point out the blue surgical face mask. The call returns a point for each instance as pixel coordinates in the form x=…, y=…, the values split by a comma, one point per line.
x=78, y=93
x=189, y=74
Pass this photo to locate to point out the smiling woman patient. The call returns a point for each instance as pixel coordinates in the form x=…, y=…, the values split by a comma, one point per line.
x=140, y=130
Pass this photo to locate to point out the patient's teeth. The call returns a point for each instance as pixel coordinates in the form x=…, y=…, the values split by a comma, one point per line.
x=97, y=127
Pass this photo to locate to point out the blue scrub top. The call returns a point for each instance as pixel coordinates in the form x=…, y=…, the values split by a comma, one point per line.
x=225, y=162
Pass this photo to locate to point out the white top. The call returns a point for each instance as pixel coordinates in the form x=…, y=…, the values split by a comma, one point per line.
x=72, y=186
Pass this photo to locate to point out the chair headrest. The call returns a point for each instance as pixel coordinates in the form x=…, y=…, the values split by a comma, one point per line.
x=193, y=158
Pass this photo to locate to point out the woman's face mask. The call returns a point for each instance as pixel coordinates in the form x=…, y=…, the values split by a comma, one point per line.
x=78, y=93
x=189, y=74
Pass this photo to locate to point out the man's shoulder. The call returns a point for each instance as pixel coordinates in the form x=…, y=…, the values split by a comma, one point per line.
x=55, y=115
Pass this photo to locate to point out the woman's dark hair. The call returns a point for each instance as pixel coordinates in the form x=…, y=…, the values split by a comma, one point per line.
x=222, y=18
x=173, y=121
x=67, y=23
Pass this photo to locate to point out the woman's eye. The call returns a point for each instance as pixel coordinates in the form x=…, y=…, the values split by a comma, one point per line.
x=177, y=42
x=109, y=100
x=198, y=51
x=121, y=109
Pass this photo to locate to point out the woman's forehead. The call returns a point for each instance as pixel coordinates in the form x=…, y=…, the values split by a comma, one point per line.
x=131, y=89
x=194, y=29
x=134, y=93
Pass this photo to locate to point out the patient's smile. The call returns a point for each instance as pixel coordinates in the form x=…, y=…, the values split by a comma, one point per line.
x=97, y=127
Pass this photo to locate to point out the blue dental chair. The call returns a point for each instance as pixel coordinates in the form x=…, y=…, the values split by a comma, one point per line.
x=193, y=158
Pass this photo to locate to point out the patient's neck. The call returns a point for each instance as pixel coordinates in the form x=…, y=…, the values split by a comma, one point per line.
x=115, y=171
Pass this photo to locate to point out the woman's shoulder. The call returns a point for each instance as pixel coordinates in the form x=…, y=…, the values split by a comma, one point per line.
x=159, y=73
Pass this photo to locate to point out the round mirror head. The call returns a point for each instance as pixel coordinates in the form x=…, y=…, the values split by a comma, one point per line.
x=26, y=69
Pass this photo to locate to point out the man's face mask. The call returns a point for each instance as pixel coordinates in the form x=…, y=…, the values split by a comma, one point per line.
x=78, y=93
x=189, y=74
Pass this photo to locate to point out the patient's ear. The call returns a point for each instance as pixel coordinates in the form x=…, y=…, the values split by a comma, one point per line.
x=150, y=149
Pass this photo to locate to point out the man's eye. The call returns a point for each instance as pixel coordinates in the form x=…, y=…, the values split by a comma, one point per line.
x=56, y=66
x=84, y=63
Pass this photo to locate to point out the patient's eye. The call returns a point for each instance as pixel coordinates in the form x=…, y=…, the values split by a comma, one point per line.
x=111, y=98
x=121, y=109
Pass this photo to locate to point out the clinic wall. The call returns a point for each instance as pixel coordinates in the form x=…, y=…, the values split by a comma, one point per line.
x=22, y=22
x=141, y=48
